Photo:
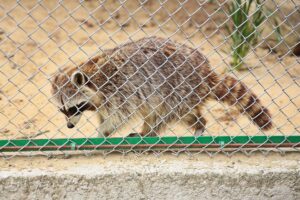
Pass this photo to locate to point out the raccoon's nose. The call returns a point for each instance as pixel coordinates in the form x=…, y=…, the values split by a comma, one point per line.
x=70, y=125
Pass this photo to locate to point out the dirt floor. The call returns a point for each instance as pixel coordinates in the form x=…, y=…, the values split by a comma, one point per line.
x=38, y=38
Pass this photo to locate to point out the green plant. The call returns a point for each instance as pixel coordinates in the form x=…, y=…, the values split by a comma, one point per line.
x=243, y=33
x=277, y=31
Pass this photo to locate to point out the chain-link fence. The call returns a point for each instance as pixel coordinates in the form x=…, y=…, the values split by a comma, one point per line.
x=181, y=76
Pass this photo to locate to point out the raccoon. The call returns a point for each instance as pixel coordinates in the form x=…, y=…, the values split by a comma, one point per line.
x=156, y=79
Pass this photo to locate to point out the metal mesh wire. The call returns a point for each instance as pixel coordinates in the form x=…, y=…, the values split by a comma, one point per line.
x=39, y=38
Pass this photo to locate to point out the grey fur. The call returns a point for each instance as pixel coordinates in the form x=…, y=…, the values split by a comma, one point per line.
x=153, y=78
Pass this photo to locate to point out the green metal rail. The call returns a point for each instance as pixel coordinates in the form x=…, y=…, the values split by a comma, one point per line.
x=147, y=143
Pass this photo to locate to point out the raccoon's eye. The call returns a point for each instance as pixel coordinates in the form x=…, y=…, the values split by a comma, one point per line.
x=83, y=106
x=73, y=110
x=79, y=108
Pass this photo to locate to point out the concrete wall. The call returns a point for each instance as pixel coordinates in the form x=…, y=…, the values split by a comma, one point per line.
x=150, y=177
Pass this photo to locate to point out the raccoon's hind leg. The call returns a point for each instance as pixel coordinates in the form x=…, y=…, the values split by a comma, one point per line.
x=152, y=126
x=104, y=132
x=200, y=126
x=195, y=121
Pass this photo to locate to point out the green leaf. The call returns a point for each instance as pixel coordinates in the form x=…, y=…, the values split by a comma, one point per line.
x=243, y=33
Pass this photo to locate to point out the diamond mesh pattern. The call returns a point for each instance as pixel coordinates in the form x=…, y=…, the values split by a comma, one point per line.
x=39, y=39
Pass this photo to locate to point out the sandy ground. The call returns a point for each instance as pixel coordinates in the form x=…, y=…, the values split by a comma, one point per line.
x=33, y=47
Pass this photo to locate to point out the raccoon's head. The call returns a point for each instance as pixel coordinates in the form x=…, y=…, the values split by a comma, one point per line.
x=73, y=95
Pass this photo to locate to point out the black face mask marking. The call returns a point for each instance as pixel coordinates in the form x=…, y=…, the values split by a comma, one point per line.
x=76, y=110
x=63, y=109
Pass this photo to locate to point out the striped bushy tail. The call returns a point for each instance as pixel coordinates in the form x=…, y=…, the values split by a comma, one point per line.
x=234, y=92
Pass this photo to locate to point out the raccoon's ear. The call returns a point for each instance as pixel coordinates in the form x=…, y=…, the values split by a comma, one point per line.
x=78, y=78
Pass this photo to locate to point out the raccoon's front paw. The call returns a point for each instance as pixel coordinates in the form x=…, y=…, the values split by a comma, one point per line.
x=150, y=134
x=199, y=132
x=102, y=134
x=134, y=135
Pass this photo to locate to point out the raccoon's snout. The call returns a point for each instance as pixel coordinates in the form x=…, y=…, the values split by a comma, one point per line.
x=70, y=125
